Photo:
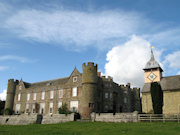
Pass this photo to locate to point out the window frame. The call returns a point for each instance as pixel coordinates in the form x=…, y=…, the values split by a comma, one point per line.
x=74, y=92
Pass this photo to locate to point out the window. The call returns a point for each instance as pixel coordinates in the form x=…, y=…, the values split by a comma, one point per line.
x=34, y=96
x=125, y=100
x=34, y=108
x=110, y=95
x=28, y=96
x=91, y=104
x=42, y=108
x=42, y=95
x=74, y=92
x=18, y=106
x=75, y=79
x=59, y=104
x=19, y=96
x=27, y=108
x=51, y=107
x=106, y=95
x=74, y=106
x=106, y=108
x=60, y=93
x=51, y=94
x=20, y=87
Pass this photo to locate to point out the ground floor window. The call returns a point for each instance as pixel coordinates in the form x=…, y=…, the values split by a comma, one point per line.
x=42, y=108
x=74, y=106
x=27, y=108
x=34, y=108
x=59, y=104
x=51, y=107
x=18, y=106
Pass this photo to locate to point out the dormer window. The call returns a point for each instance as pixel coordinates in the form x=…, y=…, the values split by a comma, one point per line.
x=75, y=79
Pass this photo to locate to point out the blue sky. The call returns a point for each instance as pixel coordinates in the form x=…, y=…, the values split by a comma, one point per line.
x=46, y=39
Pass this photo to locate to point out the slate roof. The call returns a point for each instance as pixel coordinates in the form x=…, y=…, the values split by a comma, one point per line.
x=152, y=63
x=171, y=83
x=45, y=83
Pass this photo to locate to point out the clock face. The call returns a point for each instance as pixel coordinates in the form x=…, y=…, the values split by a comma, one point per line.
x=151, y=76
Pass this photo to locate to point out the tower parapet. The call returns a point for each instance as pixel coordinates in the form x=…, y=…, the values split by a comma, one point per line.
x=89, y=74
x=10, y=93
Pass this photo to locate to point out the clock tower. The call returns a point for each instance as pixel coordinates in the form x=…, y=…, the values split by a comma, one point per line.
x=152, y=70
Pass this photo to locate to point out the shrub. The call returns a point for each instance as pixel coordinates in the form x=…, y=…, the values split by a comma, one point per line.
x=7, y=111
x=64, y=109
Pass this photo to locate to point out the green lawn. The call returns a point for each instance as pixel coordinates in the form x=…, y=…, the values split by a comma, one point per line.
x=93, y=128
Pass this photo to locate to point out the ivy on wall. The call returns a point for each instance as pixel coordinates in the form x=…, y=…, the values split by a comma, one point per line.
x=157, y=97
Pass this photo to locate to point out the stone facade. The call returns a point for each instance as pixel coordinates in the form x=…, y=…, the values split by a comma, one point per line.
x=84, y=93
x=170, y=86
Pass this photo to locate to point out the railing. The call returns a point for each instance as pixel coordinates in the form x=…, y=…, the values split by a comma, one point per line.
x=159, y=117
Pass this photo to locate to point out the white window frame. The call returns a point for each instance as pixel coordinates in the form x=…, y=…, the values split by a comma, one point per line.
x=34, y=108
x=43, y=95
x=74, y=106
x=75, y=79
x=59, y=104
x=74, y=92
x=106, y=95
x=19, y=96
x=42, y=106
x=34, y=96
x=28, y=96
x=110, y=95
x=51, y=94
x=18, y=107
x=50, y=107
x=20, y=87
x=27, y=108
x=60, y=93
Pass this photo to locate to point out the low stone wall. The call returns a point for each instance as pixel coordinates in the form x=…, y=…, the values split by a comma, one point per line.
x=118, y=117
x=18, y=119
x=25, y=119
x=57, y=118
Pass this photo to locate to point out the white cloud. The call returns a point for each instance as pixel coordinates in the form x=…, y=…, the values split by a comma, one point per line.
x=18, y=58
x=126, y=62
x=173, y=60
x=74, y=27
x=3, y=68
x=3, y=95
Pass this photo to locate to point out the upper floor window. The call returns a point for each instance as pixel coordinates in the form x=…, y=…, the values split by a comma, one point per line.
x=19, y=96
x=106, y=95
x=51, y=94
x=75, y=79
x=34, y=96
x=43, y=95
x=28, y=96
x=125, y=100
x=60, y=93
x=74, y=92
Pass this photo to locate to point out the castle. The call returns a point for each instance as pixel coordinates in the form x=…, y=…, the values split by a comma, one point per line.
x=170, y=86
x=83, y=93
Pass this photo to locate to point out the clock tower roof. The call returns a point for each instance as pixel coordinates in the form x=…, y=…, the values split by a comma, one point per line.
x=152, y=63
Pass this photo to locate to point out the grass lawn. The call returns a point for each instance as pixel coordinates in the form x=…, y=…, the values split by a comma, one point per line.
x=93, y=128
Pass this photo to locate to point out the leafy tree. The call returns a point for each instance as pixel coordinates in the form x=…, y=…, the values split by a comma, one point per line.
x=7, y=111
x=64, y=109
x=157, y=97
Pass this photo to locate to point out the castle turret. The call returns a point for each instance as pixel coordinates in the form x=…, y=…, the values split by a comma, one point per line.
x=10, y=93
x=89, y=89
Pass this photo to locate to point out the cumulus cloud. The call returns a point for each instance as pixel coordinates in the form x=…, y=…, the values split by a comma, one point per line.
x=3, y=95
x=126, y=62
x=173, y=60
x=18, y=58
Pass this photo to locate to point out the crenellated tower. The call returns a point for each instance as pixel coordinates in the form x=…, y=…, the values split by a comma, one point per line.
x=89, y=89
x=10, y=93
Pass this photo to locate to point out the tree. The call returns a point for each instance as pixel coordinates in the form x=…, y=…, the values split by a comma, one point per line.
x=157, y=97
x=64, y=109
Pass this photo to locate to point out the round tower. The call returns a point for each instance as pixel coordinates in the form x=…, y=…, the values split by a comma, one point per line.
x=10, y=94
x=89, y=89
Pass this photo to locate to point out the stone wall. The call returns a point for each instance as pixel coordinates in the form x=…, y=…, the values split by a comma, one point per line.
x=32, y=119
x=118, y=117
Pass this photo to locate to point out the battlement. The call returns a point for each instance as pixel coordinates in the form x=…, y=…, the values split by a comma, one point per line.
x=89, y=64
x=107, y=78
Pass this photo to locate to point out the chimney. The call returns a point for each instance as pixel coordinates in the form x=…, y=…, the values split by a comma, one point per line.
x=99, y=74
